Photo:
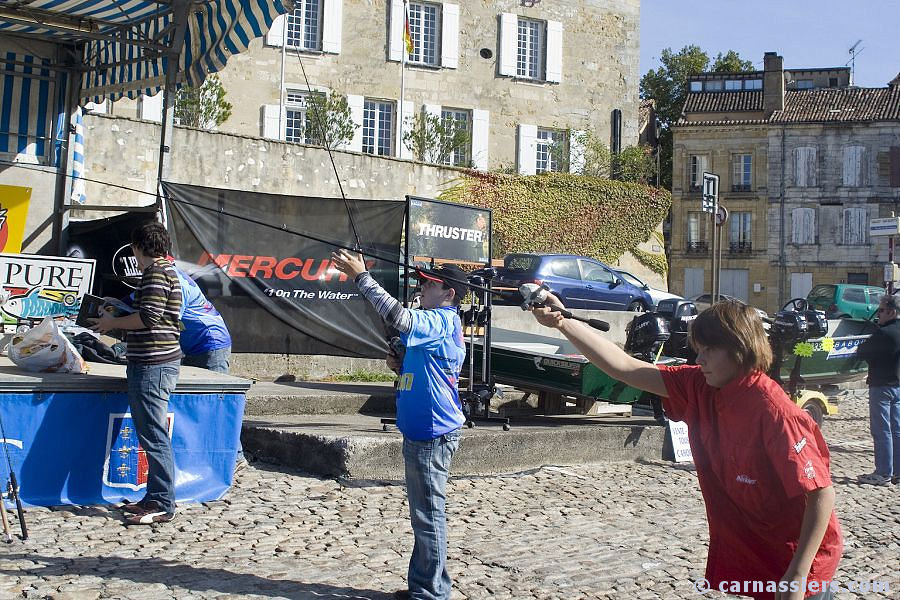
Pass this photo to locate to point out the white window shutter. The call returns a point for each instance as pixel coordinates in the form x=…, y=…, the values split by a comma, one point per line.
x=803, y=226
x=271, y=123
x=277, y=31
x=356, y=104
x=406, y=126
x=554, y=51
x=450, y=36
x=395, y=45
x=332, y=26
x=576, y=151
x=527, y=149
x=509, y=35
x=432, y=109
x=480, y=138
x=150, y=108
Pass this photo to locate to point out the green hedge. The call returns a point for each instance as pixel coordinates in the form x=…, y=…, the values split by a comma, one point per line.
x=570, y=214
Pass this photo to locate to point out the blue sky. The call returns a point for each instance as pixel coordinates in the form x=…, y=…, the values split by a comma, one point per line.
x=807, y=33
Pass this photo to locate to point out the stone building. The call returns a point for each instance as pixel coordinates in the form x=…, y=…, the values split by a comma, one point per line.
x=519, y=75
x=805, y=162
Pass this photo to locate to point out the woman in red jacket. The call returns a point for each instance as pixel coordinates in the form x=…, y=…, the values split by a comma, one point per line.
x=762, y=464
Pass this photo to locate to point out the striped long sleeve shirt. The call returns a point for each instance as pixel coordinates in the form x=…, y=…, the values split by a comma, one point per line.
x=158, y=300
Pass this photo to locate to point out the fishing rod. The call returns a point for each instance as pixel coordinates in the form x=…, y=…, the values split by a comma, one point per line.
x=13, y=491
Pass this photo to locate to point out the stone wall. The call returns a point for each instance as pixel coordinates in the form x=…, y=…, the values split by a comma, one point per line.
x=599, y=71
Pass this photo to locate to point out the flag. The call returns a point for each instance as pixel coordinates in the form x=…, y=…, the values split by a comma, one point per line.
x=78, y=187
x=407, y=36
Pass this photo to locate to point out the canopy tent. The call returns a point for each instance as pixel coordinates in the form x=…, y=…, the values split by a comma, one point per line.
x=125, y=45
x=91, y=50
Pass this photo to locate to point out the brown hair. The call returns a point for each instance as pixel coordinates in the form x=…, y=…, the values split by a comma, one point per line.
x=737, y=328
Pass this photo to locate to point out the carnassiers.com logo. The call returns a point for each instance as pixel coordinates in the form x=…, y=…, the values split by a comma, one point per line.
x=271, y=267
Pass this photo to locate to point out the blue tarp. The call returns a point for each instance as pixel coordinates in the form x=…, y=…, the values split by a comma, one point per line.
x=80, y=448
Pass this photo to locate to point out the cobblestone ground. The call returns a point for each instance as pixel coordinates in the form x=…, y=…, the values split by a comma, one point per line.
x=618, y=530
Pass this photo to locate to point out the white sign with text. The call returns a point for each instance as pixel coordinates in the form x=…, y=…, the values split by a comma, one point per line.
x=681, y=446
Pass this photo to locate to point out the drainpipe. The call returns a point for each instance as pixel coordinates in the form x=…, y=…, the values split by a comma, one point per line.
x=782, y=271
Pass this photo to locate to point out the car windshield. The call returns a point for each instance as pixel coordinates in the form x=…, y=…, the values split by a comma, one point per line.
x=630, y=278
x=821, y=292
x=522, y=263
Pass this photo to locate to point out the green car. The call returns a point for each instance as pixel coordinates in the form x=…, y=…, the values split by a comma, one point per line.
x=845, y=300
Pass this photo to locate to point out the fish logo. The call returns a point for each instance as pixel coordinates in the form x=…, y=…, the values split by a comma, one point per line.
x=126, y=464
x=43, y=302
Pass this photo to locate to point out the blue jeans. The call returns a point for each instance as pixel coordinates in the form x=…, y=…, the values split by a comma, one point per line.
x=884, y=420
x=149, y=387
x=427, y=470
x=214, y=360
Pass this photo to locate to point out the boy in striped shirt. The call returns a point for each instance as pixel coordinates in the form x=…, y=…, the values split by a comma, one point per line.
x=154, y=358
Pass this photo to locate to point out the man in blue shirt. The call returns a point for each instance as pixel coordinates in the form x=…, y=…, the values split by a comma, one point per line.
x=205, y=340
x=429, y=413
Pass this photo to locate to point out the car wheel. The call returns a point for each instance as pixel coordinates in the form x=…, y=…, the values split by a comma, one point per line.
x=637, y=306
x=814, y=409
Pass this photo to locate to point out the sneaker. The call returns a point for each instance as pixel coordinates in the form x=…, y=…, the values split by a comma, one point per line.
x=874, y=479
x=152, y=513
x=135, y=507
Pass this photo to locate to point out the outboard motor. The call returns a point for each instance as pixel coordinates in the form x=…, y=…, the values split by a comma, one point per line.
x=679, y=314
x=788, y=327
x=816, y=324
x=645, y=334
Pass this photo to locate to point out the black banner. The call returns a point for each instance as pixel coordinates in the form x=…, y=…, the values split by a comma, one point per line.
x=446, y=230
x=108, y=241
x=277, y=290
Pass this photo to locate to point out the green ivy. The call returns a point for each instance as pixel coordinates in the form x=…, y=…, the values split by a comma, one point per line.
x=565, y=213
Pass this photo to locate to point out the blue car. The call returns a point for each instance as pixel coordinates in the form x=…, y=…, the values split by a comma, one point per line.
x=578, y=281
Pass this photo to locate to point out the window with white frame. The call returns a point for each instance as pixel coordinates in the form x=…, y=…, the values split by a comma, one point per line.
x=805, y=167
x=531, y=49
x=696, y=238
x=552, y=145
x=733, y=84
x=714, y=85
x=462, y=155
x=805, y=84
x=742, y=172
x=753, y=84
x=699, y=163
x=696, y=86
x=803, y=226
x=298, y=126
x=424, y=29
x=854, y=166
x=304, y=25
x=378, y=127
x=855, y=226
x=741, y=238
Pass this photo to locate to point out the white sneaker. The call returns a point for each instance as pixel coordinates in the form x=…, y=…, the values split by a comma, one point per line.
x=874, y=479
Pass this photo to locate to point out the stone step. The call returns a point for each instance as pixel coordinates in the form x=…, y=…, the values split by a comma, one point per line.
x=356, y=447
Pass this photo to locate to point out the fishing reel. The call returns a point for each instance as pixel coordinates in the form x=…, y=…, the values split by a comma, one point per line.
x=536, y=296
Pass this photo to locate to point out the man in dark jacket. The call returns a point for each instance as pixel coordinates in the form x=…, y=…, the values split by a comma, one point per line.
x=882, y=352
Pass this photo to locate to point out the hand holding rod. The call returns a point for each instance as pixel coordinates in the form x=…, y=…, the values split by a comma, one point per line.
x=536, y=296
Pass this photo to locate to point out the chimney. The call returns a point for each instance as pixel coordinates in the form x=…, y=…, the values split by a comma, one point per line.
x=773, y=83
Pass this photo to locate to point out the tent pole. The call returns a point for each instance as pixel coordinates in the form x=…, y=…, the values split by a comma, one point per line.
x=180, y=16
x=63, y=181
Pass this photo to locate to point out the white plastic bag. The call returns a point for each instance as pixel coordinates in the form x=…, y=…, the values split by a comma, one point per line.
x=45, y=349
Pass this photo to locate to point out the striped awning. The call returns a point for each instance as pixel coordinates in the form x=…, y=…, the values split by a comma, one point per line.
x=125, y=42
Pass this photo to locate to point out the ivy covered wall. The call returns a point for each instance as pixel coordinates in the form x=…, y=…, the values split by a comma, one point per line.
x=570, y=214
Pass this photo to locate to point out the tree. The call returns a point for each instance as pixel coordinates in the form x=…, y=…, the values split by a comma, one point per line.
x=332, y=111
x=204, y=107
x=731, y=62
x=433, y=139
x=593, y=157
x=668, y=85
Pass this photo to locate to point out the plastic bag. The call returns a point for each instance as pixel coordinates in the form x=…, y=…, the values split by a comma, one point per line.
x=45, y=349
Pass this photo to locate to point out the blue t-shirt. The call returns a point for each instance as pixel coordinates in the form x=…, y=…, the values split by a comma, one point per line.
x=427, y=396
x=204, y=328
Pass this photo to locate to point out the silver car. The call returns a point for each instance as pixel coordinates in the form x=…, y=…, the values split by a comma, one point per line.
x=655, y=294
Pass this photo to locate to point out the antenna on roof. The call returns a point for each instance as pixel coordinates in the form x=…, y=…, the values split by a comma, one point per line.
x=852, y=62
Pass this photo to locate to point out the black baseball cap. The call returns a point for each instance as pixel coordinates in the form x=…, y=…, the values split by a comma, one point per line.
x=450, y=275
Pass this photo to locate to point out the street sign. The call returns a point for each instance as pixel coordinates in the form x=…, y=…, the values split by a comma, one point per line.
x=721, y=215
x=710, y=192
x=887, y=226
